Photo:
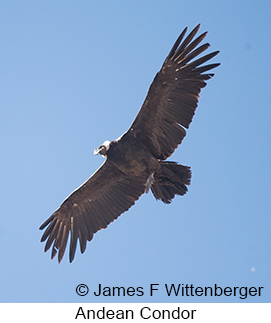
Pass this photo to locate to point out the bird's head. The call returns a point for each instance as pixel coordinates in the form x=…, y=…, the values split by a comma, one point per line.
x=102, y=150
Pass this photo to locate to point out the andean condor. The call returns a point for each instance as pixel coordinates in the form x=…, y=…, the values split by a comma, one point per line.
x=135, y=162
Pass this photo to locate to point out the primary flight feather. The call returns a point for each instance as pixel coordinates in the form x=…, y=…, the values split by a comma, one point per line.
x=136, y=162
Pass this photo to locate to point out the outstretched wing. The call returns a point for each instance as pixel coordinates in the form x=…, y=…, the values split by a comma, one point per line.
x=173, y=96
x=99, y=201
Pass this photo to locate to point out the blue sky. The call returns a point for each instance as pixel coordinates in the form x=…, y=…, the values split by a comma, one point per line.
x=75, y=73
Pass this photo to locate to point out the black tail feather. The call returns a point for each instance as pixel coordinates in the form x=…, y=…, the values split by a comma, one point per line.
x=171, y=180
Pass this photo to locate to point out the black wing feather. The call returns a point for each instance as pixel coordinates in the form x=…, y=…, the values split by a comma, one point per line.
x=173, y=96
x=90, y=208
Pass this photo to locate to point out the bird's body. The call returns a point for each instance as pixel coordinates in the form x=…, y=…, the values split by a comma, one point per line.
x=135, y=162
x=130, y=156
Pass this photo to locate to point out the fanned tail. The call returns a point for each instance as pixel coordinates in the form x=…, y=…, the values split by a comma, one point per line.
x=171, y=180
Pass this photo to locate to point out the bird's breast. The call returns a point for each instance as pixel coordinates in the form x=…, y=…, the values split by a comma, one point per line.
x=130, y=157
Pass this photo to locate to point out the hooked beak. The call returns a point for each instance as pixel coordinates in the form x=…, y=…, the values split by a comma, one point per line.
x=99, y=151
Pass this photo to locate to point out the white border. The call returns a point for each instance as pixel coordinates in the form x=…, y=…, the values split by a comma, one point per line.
x=203, y=312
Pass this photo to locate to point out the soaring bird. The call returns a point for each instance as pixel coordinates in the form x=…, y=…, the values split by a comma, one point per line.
x=135, y=162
